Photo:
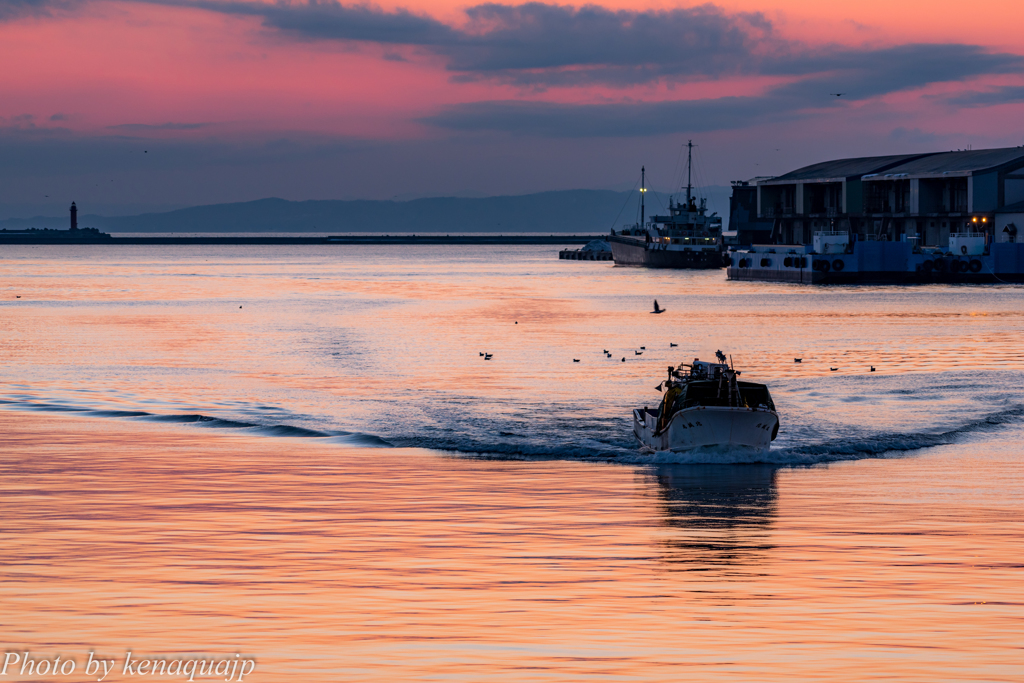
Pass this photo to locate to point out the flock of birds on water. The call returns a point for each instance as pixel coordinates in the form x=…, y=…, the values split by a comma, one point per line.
x=640, y=351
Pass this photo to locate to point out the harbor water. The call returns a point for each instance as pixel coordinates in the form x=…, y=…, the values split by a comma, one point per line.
x=299, y=454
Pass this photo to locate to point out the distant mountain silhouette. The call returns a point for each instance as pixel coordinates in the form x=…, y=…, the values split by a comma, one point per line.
x=576, y=211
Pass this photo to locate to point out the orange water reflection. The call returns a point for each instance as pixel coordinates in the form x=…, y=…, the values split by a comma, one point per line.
x=333, y=564
x=336, y=563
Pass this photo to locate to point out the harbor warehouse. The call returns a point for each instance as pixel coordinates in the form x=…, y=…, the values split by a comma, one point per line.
x=914, y=197
x=911, y=218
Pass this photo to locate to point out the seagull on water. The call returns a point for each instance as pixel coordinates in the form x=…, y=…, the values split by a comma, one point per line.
x=670, y=344
x=872, y=368
x=833, y=369
x=657, y=308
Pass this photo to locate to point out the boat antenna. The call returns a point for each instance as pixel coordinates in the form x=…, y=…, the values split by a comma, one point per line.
x=689, y=168
x=643, y=191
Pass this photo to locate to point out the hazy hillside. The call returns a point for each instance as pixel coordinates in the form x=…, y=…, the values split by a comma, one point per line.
x=579, y=211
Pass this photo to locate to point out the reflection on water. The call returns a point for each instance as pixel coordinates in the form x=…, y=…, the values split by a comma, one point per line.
x=144, y=506
x=721, y=514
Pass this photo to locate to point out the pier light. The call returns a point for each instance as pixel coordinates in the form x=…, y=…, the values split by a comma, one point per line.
x=643, y=189
x=975, y=219
x=984, y=219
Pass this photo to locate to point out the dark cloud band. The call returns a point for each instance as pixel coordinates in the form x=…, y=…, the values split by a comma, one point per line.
x=544, y=45
x=539, y=45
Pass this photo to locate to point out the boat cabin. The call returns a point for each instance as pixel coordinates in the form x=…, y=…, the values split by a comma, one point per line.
x=702, y=369
x=707, y=384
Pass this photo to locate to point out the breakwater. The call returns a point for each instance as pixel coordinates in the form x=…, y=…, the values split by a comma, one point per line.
x=49, y=237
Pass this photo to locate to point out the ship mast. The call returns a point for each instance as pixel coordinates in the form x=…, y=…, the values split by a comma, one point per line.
x=643, y=191
x=689, y=166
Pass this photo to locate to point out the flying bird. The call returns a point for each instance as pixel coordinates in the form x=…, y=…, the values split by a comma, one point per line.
x=670, y=344
x=837, y=94
x=575, y=360
x=797, y=360
x=657, y=308
x=833, y=369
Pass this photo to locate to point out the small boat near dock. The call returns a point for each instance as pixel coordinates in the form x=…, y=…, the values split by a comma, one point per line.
x=595, y=250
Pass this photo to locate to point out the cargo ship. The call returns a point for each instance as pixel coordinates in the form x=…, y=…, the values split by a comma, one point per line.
x=686, y=238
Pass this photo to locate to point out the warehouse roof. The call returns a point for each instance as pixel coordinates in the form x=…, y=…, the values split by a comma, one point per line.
x=842, y=168
x=960, y=163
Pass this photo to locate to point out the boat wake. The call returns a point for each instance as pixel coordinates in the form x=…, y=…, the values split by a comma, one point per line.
x=878, y=445
x=200, y=420
x=819, y=424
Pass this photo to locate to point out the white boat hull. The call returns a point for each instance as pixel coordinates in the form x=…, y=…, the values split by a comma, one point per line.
x=708, y=427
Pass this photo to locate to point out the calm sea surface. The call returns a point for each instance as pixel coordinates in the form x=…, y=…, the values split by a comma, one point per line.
x=298, y=454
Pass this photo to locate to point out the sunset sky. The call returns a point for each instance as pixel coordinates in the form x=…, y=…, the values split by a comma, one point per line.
x=127, y=106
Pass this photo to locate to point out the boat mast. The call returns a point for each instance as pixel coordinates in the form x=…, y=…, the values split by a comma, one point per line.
x=689, y=164
x=643, y=191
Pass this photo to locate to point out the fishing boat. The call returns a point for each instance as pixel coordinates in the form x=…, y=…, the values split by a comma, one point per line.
x=705, y=405
x=686, y=238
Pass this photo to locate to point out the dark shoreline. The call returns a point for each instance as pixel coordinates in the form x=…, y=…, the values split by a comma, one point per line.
x=326, y=239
